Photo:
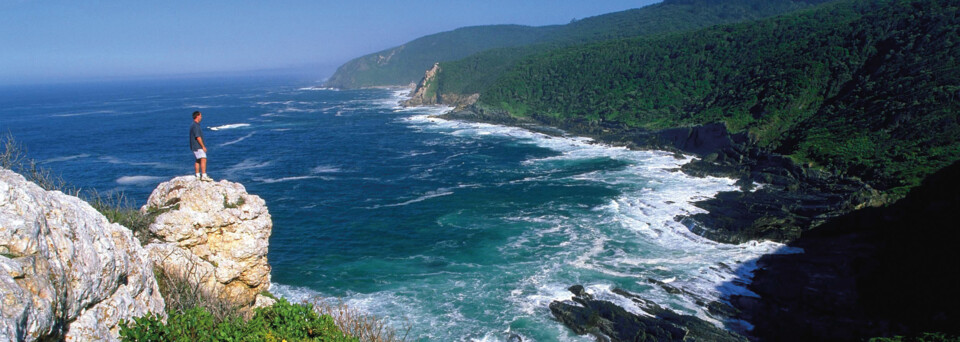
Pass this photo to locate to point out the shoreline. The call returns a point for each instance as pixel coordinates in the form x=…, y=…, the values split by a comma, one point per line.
x=712, y=313
x=793, y=199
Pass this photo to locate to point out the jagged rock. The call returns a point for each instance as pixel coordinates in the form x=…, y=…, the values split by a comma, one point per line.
x=214, y=234
x=427, y=93
x=66, y=272
x=422, y=94
x=609, y=322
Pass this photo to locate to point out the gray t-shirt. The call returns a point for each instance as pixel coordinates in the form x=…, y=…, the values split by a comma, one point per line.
x=195, y=133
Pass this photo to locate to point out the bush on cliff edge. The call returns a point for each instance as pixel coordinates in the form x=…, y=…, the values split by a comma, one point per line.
x=282, y=321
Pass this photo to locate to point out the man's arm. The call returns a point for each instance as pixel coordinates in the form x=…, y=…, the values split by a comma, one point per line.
x=202, y=145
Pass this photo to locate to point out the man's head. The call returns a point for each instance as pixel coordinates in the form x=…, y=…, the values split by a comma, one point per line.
x=197, y=116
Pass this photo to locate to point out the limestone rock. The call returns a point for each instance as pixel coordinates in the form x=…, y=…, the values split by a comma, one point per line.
x=66, y=272
x=214, y=234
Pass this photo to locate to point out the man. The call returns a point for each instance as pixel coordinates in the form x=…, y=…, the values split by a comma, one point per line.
x=199, y=148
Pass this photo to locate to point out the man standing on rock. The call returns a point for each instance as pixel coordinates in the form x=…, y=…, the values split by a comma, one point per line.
x=199, y=148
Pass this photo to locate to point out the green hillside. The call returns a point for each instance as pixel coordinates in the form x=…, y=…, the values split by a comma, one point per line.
x=406, y=63
x=864, y=88
x=476, y=72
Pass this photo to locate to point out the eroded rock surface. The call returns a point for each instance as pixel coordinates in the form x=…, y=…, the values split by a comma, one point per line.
x=66, y=272
x=214, y=234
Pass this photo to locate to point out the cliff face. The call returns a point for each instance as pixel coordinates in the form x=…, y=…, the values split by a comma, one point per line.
x=212, y=234
x=428, y=92
x=66, y=272
x=874, y=272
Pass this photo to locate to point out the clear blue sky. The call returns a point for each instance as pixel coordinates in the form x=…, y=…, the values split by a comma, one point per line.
x=73, y=40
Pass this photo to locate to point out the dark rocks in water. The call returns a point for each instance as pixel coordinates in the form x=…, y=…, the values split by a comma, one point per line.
x=579, y=291
x=666, y=287
x=794, y=198
x=514, y=338
x=609, y=322
x=870, y=273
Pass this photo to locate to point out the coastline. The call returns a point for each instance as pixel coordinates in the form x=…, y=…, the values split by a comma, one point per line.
x=714, y=313
x=836, y=222
x=793, y=199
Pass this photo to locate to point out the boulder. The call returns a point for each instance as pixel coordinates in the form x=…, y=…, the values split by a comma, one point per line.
x=213, y=234
x=66, y=272
x=609, y=322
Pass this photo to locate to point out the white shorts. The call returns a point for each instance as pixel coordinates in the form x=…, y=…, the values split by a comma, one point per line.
x=200, y=154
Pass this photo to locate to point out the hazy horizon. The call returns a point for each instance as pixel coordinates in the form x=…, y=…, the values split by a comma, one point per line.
x=60, y=41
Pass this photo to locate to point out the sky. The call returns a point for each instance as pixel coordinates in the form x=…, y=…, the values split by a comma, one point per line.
x=51, y=41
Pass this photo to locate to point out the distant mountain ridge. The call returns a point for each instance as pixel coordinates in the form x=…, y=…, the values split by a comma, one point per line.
x=406, y=64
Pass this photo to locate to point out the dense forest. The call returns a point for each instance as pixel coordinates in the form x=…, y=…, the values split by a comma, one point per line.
x=476, y=72
x=506, y=44
x=863, y=88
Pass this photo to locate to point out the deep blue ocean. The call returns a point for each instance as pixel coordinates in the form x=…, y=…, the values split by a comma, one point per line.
x=461, y=231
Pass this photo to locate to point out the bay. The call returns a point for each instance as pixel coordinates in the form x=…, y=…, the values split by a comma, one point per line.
x=459, y=231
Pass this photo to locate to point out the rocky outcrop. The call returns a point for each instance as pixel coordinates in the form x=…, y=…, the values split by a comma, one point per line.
x=609, y=322
x=213, y=234
x=66, y=272
x=428, y=92
x=871, y=273
x=794, y=198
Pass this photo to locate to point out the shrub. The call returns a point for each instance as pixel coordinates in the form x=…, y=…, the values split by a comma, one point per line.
x=282, y=321
x=365, y=327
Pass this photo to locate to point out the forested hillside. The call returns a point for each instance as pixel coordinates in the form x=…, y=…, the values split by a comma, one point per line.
x=476, y=72
x=406, y=63
x=864, y=88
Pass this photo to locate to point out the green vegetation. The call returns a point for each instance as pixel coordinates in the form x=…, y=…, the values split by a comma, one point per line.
x=477, y=72
x=282, y=321
x=239, y=203
x=863, y=88
x=406, y=63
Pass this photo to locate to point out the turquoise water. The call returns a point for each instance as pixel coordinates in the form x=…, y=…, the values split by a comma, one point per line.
x=461, y=231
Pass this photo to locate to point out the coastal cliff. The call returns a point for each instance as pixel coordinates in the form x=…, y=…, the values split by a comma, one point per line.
x=68, y=273
x=428, y=92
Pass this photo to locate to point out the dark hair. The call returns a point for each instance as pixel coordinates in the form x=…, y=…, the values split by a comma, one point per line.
x=196, y=114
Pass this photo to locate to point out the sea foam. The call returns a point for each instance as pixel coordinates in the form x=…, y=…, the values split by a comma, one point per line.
x=653, y=194
x=229, y=126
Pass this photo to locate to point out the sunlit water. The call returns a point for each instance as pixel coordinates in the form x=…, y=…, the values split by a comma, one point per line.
x=460, y=231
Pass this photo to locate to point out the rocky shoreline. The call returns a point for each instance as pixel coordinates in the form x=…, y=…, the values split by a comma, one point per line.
x=840, y=288
x=793, y=198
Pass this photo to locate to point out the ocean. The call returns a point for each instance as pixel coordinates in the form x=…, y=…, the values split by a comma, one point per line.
x=458, y=231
